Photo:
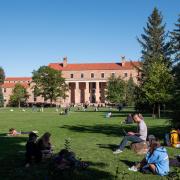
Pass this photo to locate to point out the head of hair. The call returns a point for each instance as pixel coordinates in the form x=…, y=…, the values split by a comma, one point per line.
x=155, y=143
x=11, y=129
x=32, y=136
x=46, y=136
x=63, y=152
x=138, y=114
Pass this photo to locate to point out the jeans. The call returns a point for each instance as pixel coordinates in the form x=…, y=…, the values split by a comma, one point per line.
x=132, y=138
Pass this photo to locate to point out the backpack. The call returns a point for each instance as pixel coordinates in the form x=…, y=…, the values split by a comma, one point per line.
x=167, y=141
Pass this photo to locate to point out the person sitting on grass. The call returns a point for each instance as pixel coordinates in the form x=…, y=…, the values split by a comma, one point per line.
x=14, y=132
x=174, y=138
x=44, y=145
x=108, y=115
x=129, y=119
x=138, y=137
x=67, y=160
x=156, y=160
x=32, y=151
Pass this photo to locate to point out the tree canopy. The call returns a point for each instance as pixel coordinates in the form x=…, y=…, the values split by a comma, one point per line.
x=154, y=41
x=115, y=90
x=49, y=84
x=19, y=95
x=175, y=37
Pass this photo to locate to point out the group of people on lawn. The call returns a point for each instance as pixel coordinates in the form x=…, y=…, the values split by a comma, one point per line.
x=39, y=149
x=156, y=160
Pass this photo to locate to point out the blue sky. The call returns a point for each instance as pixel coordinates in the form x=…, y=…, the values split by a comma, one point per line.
x=37, y=32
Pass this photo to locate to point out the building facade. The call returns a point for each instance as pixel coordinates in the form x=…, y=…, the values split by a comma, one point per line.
x=86, y=82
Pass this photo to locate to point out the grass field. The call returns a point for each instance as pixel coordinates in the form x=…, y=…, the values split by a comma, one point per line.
x=93, y=137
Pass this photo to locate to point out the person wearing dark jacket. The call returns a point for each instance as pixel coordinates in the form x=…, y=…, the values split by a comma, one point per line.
x=32, y=150
x=44, y=145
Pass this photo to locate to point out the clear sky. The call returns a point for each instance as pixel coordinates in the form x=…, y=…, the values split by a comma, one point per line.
x=37, y=32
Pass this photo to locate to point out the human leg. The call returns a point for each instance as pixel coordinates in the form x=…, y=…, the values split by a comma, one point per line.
x=128, y=138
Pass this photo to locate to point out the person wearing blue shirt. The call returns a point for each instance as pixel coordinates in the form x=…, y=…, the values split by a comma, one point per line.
x=156, y=160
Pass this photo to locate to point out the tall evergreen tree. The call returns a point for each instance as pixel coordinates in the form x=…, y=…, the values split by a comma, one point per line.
x=156, y=52
x=2, y=77
x=175, y=37
x=153, y=41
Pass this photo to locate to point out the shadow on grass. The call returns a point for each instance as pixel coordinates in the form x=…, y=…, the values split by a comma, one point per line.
x=116, y=130
x=108, y=146
x=11, y=154
x=12, y=159
x=128, y=163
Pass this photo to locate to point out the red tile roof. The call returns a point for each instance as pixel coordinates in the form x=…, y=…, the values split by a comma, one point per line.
x=12, y=85
x=95, y=66
x=18, y=79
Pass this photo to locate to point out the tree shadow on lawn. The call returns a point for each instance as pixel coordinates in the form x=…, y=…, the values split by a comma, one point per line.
x=108, y=146
x=13, y=157
x=11, y=154
x=115, y=130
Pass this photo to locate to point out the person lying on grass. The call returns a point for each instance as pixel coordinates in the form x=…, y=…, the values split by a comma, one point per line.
x=68, y=160
x=44, y=145
x=138, y=137
x=156, y=160
x=14, y=132
x=32, y=151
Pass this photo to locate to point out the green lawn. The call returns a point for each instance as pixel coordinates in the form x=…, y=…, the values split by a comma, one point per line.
x=93, y=138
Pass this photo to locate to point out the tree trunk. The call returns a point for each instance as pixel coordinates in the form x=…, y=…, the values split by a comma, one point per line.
x=51, y=102
x=153, y=114
x=19, y=104
x=159, y=110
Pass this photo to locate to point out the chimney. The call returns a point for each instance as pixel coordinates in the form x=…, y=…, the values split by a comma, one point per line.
x=64, y=61
x=123, y=60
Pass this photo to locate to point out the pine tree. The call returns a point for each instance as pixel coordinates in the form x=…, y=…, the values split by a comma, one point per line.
x=156, y=52
x=153, y=41
x=2, y=77
x=175, y=37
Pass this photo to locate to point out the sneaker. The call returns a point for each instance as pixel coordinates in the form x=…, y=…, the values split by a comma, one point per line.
x=117, y=151
x=36, y=132
x=133, y=168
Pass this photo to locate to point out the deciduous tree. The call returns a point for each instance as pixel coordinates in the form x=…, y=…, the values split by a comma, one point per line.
x=116, y=90
x=19, y=95
x=49, y=83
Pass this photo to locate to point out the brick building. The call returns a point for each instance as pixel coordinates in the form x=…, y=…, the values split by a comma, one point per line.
x=86, y=82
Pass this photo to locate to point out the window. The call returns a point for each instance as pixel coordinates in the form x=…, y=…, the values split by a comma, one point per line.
x=72, y=75
x=82, y=75
x=4, y=90
x=113, y=74
x=102, y=75
x=92, y=75
x=125, y=74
